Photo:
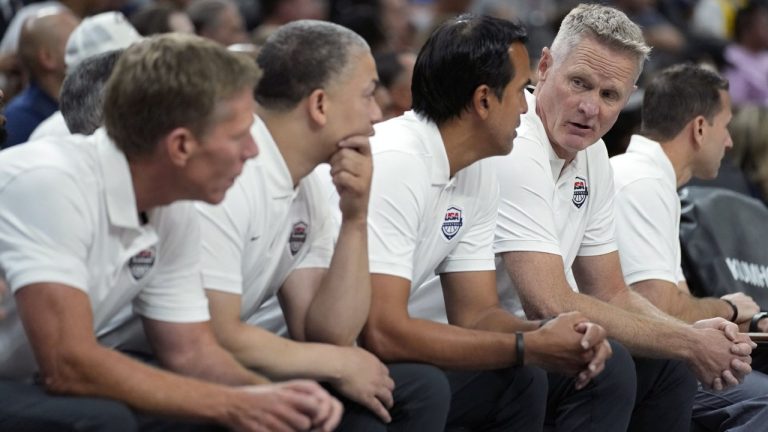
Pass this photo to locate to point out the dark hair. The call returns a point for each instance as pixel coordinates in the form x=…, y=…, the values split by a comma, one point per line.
x=205, y=14
x=388, y=67
x=301, y=57
x=746, y=18
x=677, y=95
x=82, y=92
x=462, y=54
x=154, y=18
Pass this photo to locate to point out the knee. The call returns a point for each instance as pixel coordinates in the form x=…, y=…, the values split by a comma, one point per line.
x=681, y=379
x=105, y=415
x=421, y=384
x=618, y=380
x=532, y=382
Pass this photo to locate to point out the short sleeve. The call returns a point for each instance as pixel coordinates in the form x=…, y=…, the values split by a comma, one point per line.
x=525, y=218
x=400, y=182
x=175, y=292
x=646, y=232
x=45, y=229
x=224, y=228
x=600, y=231
x=475, y=250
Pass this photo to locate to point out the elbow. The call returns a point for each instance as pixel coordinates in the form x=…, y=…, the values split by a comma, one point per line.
x=382, y=342
x=64, y=375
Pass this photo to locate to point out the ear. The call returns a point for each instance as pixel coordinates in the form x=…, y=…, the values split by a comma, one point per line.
x=180, y=144
x=46, y=59
x=317, y=107
x=545, y=64
x=481, y=103
x=697, y=131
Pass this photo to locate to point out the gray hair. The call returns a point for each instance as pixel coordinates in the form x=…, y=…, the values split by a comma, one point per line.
x=301, y=57
x=82, y=92
x=605, y=24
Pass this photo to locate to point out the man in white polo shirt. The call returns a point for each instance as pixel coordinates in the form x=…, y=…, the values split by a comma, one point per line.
x=273, y=234
x=679, y=141
x=93, y=226
x=556, y=217
x=433, y=210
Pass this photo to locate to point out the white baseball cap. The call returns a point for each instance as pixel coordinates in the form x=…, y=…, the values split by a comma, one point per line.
x=98, y=34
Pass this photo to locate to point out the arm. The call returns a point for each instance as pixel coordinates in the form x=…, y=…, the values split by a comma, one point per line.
x=353, y=371
x=345, y=293
x=680, y=304
x=73, y=363
x=485, y=344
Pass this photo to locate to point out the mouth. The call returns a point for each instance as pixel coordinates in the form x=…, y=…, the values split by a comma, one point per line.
x=579, y=128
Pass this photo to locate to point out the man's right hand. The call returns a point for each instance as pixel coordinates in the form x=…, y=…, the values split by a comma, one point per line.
x=720, y=357
x=570, y=345
x=297, y=405
x=365, y=380
x=745, y=305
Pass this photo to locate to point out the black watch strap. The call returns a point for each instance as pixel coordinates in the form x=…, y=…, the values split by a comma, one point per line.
x=756, y=319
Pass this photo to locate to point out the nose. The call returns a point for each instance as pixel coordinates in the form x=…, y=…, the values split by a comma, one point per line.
x=250, y=148
x=374, y=112
x=728, y=142
x=588, y=107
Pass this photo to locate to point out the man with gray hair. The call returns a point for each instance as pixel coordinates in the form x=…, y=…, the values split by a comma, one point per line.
x=82, y=93
x=554, y=238
x=110, y=230
x=272, y=235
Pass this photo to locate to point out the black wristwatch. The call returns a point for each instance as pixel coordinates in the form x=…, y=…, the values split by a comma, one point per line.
x=756, y=319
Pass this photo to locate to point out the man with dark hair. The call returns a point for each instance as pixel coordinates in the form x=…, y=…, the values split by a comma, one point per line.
x=272, y=235
x=679, y=141
x=106, y=234
x=82, y=93
x=433, y=210
x=747, y=55
x=218, y=20
x=555, y=229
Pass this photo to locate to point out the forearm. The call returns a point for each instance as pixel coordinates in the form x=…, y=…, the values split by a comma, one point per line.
x=280, y=358
x=639, y=327
x=443, y=345
x=101, y=372
x=499, y=320
x=345, y=293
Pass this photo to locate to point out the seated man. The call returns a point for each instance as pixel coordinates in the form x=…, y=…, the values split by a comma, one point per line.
x=556, y=218
x=272, y=234
x=433, y=210
x=105, y=233
x=679, y=141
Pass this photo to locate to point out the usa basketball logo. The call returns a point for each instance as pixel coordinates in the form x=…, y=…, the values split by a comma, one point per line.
x=298, y=237
x=580, y=192
x=142, y=262
x=452, y=222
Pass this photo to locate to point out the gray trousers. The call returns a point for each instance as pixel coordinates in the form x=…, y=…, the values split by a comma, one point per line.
x=742, y=408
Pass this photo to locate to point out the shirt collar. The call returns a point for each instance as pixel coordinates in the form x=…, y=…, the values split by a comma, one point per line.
x=118, y=184
x=641, y=145
x=434, y=145
x=271, y=161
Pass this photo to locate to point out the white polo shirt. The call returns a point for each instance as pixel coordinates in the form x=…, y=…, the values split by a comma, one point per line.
x=69, y=216
x=53, y=126
x=647, y=213
x=421, y=222
x=263, y=230
x=547, y=206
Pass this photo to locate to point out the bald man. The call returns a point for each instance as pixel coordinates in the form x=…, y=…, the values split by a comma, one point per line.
x=41, y=52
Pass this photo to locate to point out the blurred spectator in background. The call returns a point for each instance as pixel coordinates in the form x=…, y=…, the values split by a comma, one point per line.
x=218, y=20
x=161, y=17
x=94, y=35
x=41, y=52
x=395, y=73
x=275, y=13
x=747, y=56
x=749, y=131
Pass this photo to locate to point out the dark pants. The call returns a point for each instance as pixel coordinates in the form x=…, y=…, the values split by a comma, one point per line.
x=501, y=400
x=742, y=408
x=665, y=392
x=28, y=408
x=605, y=404
x=421, y=402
